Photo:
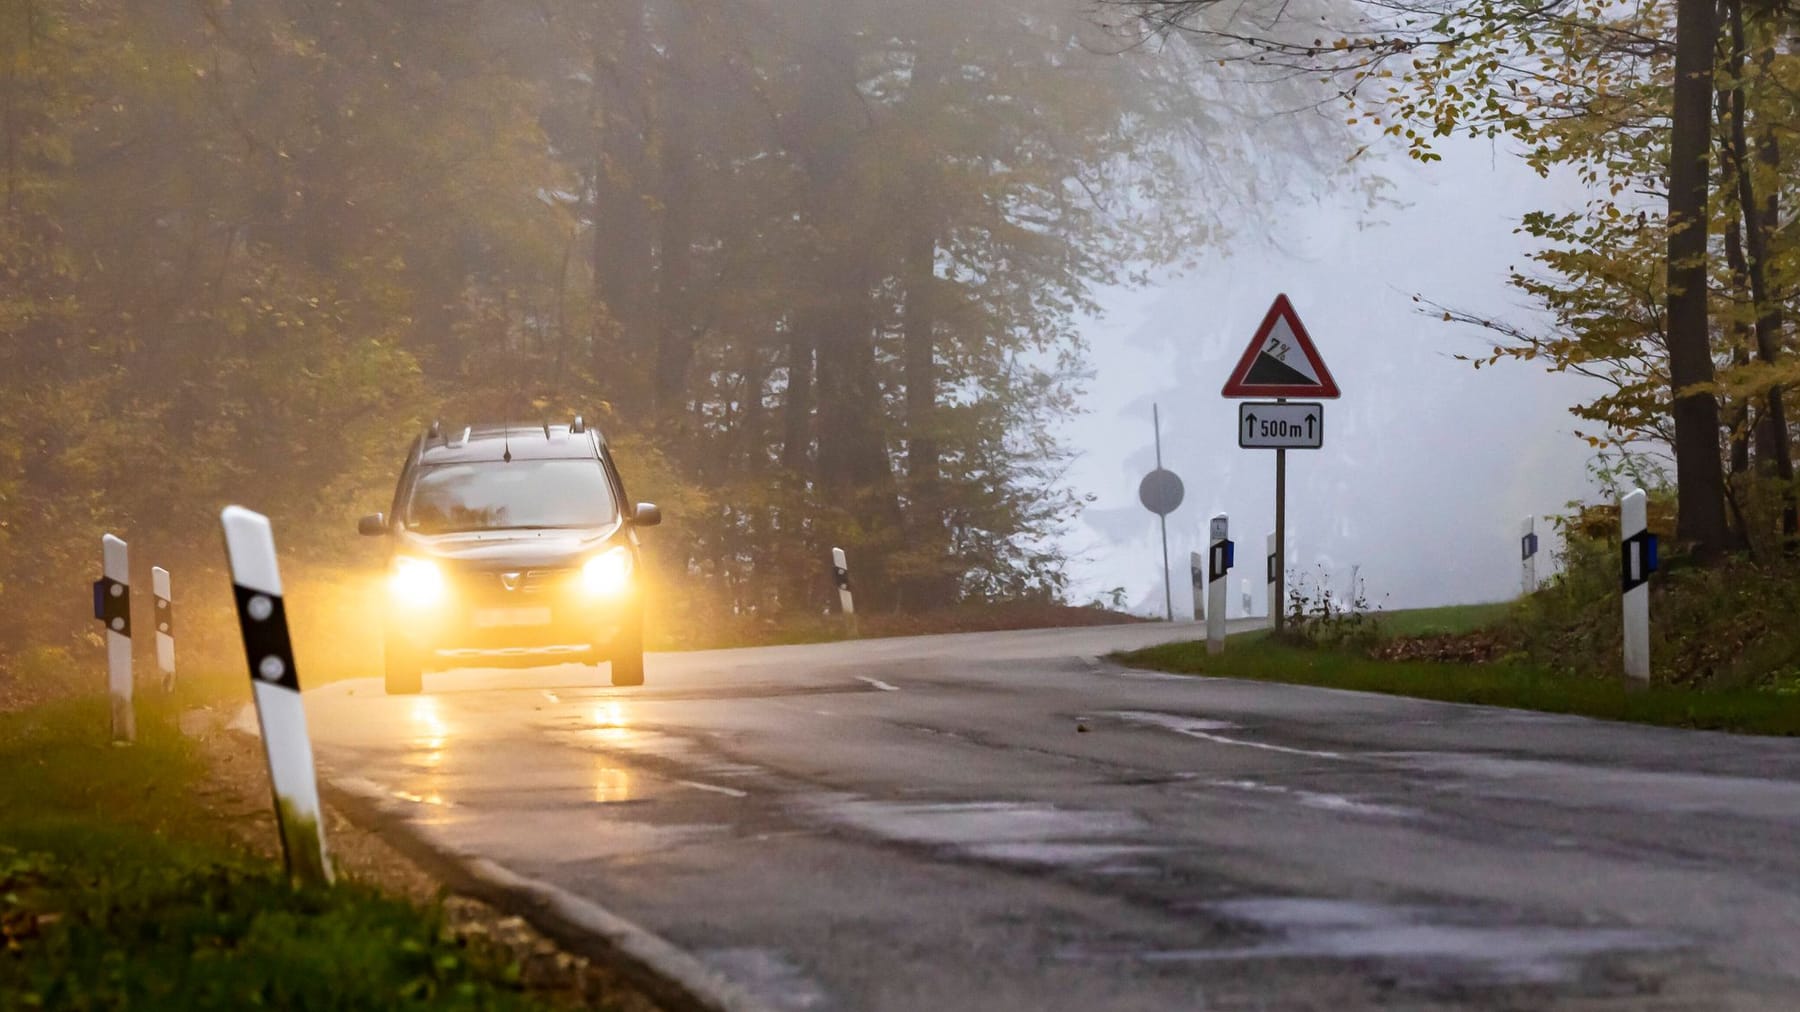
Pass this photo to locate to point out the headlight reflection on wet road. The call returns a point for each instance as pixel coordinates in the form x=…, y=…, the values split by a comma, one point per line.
x=611, y=722
x=612, y=784
x=427, y=738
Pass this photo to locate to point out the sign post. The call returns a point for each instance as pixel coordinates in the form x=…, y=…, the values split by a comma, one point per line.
x=840, y=575
x=1528, y=549
x=1219, y=561
x=1161, y=493
x=275, y=686
x=165, y=626
x=112, y=606
x=1274, y=564
x=1197, y=577
x=1281, y=362
x=1637, y=560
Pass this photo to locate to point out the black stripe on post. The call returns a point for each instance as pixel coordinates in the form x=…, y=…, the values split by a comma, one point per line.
x=1641, y=549
x=112, y=605
x=165, y=616
x=841, y=577
x=263, y=620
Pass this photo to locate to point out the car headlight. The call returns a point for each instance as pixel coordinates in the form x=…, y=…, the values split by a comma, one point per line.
x=416, y=581
x=608, y=573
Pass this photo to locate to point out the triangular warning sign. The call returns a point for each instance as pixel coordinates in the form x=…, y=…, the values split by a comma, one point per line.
x=1281, y=360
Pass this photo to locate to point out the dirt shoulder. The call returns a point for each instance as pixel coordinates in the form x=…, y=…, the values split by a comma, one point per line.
x=238, y=793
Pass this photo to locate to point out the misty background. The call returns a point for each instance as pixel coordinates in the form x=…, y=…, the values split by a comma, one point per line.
x=1429, y=464
x=899, y=278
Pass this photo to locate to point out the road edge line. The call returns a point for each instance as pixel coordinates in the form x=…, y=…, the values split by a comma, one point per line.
x=670, y=975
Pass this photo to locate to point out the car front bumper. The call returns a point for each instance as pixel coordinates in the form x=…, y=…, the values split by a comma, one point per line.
x=478, y=622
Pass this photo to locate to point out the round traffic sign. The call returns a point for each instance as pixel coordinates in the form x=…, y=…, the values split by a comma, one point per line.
x=1160, y=492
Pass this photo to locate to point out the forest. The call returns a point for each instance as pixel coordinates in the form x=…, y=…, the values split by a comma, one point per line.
x=816, y=268
x=1675, y=286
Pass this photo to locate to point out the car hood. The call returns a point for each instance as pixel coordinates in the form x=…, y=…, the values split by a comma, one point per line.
x=515, y=549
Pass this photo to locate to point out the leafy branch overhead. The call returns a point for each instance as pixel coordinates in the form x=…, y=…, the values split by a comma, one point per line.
x=1674, y=283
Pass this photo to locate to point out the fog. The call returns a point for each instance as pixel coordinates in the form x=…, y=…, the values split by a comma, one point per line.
x=1429, y=464
x=826, y=276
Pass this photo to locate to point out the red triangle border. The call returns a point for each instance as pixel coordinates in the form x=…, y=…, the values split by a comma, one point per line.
x=1282, y=309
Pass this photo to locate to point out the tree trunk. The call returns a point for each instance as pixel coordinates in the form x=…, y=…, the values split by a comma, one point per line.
x=1771, y=318
x=919, y=321
x=927, y=533
x=796, y=404
x=1700, y=475
x=1760, y=219
x=676, y=195
x=1741, y=336
x=620, y=216
x=852, y=466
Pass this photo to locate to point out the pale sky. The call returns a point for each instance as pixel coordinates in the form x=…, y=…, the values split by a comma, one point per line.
x=1429, y=465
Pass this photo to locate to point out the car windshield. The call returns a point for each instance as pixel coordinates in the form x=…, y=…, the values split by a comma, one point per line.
x=491, y=495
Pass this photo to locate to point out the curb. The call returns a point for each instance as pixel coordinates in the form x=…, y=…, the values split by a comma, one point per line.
x=668, y=974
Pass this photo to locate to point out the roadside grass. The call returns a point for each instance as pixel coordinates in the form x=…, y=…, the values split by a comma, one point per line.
x=1448, y=620
x=120, y=888
x=1520, y=685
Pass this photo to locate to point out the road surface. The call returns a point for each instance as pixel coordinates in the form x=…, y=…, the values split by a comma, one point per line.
x=1009, y=821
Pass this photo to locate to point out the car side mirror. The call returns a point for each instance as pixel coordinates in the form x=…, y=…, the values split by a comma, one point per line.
x=646, y=515
x=372, y=526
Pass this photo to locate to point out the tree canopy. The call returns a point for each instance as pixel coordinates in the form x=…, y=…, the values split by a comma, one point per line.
x=817, y=268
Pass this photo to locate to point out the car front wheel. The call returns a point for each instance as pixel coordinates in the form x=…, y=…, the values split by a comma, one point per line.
x=402, y=669
x=628, y=660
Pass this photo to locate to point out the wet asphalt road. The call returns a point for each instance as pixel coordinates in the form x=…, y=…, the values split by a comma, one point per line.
x=921, y=824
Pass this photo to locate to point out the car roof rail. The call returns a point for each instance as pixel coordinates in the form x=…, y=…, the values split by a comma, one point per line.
x=579, y=426
x=436, y=430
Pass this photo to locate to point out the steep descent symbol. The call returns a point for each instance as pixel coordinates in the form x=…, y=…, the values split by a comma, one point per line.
x=1281, y=360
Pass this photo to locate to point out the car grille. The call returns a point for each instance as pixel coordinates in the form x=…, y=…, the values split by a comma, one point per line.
x=530, y=581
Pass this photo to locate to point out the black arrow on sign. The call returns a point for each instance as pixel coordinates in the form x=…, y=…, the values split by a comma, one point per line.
x=1250, y=423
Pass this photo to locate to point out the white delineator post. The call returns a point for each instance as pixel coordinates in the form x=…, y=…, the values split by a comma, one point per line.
x=165, y=626
x=275, y=685
x=840, y=575
x=1637, y=561
x=1528, y=548
x=1274, y=593
x=1218, y=564
x=112, y=605
x=1197, y=577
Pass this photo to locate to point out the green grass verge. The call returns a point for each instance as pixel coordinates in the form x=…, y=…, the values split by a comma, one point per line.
x=1448, y=620
x=118, y=889
x=1255, y=656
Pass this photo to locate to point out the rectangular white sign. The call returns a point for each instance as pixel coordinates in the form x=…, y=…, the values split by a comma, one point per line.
x=1284, y=425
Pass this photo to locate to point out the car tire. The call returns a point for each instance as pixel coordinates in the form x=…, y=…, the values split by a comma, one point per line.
x=628, y=667
x=403, y=673
x=627, y=656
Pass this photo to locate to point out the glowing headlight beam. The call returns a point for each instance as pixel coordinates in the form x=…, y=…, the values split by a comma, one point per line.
x=416, y=581
x=608, y=573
